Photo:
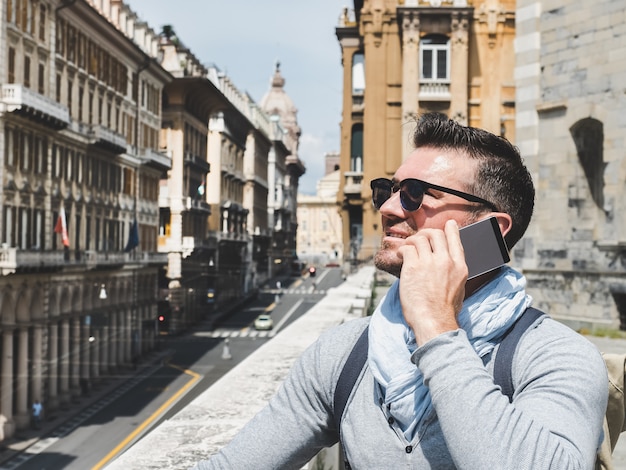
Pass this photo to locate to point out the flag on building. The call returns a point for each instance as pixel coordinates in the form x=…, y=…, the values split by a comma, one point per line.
x=61, y=227
x=201, y=188
x=133, y=237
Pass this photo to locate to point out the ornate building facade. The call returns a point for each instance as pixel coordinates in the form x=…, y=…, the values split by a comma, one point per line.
x=80, y=114
x=402, y=58
x=134, y=183
x=285, y=171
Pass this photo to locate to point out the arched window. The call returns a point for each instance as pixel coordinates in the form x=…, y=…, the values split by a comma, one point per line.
x=434, y=55
x=588, y=136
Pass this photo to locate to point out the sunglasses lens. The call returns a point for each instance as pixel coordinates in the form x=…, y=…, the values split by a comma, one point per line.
x=381, y=191
x=411, y=194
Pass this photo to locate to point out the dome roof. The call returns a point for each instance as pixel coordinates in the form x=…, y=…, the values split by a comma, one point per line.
x=276, y=101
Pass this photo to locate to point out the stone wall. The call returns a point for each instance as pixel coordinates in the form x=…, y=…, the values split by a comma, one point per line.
x=571, y=131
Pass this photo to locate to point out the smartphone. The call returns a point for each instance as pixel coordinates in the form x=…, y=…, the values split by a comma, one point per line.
x=485, y=249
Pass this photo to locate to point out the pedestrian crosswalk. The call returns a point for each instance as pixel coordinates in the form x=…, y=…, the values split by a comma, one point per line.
x=230, y=333
x=297, y=290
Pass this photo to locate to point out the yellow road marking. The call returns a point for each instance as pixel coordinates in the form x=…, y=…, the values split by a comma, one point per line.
x=155, y=415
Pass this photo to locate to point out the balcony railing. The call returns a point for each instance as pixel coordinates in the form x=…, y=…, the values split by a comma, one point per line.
x=353, y=182
x=156, y=159
x=198, y=205
x=437, y=91
x=198, y=162
x=16, y=97
x=13, y=259
x=358, y=102
x=107, y=138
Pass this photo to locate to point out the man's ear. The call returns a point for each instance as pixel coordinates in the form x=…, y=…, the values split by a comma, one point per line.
x=504, y=221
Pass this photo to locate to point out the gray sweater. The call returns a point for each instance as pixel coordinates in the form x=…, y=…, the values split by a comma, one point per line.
x=555, y=420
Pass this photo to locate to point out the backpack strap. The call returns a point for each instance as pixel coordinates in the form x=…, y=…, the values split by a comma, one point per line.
x=502, y=375
x=350, y=372
x=503, y=364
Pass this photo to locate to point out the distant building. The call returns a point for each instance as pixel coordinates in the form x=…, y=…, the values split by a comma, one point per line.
x=320, y=227
x=402, y=58
x=570, y=74
x=284, y=172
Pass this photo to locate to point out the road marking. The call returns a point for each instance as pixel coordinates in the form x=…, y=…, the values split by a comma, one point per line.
x=287, y=315
x=194, y=378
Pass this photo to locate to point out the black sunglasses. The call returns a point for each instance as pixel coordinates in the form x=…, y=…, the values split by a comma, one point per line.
x=412, y=193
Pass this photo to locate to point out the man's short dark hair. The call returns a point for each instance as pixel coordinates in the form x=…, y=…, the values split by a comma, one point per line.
x=501, y=178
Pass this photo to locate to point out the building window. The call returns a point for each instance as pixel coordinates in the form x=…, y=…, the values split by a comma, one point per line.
x=9, y=225
x=42, y=22
x=70, y=86
x=24, y=229
x=11, y=76
x=358, y=73
x=27, y=71
x=38, y=233
x=356, y=148
x=9, y=150
x=434, y=54
x=41, y=79
x=58, y=88
x=588, y=136
x=81, y=93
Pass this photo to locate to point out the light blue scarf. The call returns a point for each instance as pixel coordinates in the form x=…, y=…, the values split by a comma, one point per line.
x=485, y=316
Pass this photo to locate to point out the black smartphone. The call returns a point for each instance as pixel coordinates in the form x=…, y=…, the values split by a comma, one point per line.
x=485, y=249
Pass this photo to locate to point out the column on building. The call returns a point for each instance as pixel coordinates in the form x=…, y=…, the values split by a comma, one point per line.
x=64, y=360
x=6, y=385
x=22, y=417
x=127, y=340
x=105, y=350
x=85, y=353
x=94, y=354
x=459, y=67
x=75, y=357
x=114, y=343
x=410, y=75
x=52, y=402
x=36, y=379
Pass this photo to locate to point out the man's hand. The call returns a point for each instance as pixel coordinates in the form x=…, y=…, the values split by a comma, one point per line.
x=432, y=281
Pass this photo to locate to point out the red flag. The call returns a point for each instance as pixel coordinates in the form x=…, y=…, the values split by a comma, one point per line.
x=61, y=227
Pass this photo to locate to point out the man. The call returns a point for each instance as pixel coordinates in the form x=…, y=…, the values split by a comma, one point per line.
x=426, y=397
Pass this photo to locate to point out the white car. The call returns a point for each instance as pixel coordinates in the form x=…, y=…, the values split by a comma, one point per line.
x=263, y=322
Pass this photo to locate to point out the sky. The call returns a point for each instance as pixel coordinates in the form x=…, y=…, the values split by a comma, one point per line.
x=245, y=39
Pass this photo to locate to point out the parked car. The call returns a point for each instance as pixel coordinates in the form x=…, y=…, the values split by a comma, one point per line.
x=263, y=322
x=312, y=271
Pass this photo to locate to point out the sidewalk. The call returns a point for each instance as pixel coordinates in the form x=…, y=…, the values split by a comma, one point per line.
x=52, y=420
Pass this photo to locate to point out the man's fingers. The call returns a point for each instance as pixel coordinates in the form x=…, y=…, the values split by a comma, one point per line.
x=455, y=247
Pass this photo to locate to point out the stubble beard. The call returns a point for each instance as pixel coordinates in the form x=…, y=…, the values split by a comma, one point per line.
x=386, y=259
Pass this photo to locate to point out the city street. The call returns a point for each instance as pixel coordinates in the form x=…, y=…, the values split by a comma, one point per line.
x=187, y=365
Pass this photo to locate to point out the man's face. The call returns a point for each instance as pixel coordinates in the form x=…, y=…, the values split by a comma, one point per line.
x=441, y=167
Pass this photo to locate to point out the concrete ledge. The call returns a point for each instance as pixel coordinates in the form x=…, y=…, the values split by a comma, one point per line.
x=215, y=416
